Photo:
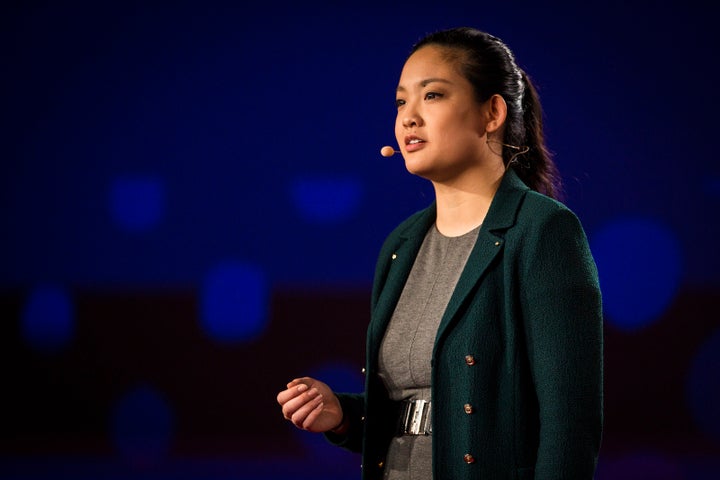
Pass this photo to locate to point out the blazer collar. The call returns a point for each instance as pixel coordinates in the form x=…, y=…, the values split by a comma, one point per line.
x=504, y=206
x=500, y=216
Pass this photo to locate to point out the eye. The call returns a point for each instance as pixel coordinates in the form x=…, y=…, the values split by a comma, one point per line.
x=433, y=95
x=399, y=102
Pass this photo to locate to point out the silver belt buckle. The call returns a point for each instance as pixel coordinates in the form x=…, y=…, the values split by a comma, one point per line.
x=416, y=419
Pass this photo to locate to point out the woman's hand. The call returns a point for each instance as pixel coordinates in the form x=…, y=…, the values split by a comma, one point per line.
x=311, y=405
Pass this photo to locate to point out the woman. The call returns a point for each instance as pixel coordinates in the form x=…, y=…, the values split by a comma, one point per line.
x=484, y=350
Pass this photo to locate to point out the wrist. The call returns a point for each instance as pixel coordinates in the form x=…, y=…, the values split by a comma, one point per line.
x=341, y=427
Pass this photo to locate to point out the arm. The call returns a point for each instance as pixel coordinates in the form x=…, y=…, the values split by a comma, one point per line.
x=562, y=315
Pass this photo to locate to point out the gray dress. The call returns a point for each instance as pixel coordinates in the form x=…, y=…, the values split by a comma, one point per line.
x=404, y=361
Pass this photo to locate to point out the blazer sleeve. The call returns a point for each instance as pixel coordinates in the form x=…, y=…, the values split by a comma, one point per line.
x=353, y=406
x=562, y=314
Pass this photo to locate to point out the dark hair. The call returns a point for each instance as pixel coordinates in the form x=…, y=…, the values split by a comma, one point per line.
x=490, y=67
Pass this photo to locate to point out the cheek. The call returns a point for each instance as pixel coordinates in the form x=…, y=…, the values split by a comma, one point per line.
x=462, y=137
x=399, y=131
x=398, y=125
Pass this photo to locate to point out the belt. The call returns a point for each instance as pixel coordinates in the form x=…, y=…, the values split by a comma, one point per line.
x=415, y=418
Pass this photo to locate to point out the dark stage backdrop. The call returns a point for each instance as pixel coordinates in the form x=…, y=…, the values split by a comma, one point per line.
x=192, y=200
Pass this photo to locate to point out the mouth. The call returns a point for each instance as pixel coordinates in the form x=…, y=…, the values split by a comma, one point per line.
x=413, y=143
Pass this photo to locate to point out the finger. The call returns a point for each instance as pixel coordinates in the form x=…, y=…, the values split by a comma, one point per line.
x=298, y=418
x=313, y=415
x=300, y=380
x=290, y=393
x=297, y=402
x=286, y=395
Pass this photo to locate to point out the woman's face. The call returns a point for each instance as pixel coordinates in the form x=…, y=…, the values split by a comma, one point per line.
x=440, y=126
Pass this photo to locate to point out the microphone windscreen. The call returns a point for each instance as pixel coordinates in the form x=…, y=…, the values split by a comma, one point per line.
x=387, y=151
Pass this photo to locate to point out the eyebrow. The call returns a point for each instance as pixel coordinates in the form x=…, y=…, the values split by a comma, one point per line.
x=425, y=83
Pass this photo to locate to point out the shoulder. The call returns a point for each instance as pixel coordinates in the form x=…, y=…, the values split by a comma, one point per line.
x=516, y=205
x=540, y=212
x=549, y=237
x=547, y=225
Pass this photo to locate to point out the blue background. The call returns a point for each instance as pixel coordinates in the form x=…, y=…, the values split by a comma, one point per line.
x=192, y=198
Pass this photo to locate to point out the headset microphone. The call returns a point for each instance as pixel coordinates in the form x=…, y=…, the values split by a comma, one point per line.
x=388, y=151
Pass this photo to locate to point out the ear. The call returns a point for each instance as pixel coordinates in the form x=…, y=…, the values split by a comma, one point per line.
x=496, y=113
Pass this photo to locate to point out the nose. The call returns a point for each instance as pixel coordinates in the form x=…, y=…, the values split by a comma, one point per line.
x=410, y=118
x=409, y=122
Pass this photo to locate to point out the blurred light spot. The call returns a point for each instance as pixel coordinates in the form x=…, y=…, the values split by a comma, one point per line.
x=703, y=387
x=639, y=263
x=327, y=200
x=341, y=378
x=142, y=426
x=48, y=319
x=234, y=303
x=137, y=203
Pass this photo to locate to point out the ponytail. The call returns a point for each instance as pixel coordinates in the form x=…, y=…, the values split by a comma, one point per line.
x=537, y=169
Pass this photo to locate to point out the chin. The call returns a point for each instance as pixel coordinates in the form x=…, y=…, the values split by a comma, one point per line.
x=414, y=167
x=425, y=173
x=421, y=166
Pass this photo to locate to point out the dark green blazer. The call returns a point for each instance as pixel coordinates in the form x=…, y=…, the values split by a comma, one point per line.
x=519, y=348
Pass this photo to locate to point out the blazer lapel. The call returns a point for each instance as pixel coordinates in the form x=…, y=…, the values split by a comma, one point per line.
x=401, y=260
x=489, y=244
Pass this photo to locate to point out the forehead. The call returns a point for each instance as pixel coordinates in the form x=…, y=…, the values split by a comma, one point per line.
x=430, y=61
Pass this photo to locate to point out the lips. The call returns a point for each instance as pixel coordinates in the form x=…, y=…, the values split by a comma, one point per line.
x=413, y=143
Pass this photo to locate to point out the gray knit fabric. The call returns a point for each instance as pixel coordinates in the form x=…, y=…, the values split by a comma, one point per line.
x=404, y=362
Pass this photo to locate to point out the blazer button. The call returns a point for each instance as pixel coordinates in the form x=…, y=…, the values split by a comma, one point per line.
x=468, y=408
x=363, y=370
x=469, y=458
x=470, y=360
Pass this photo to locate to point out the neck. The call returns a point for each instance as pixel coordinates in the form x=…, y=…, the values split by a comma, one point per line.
x=462, y=205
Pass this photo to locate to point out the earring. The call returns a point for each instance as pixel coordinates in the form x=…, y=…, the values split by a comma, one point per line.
x=521, y=150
